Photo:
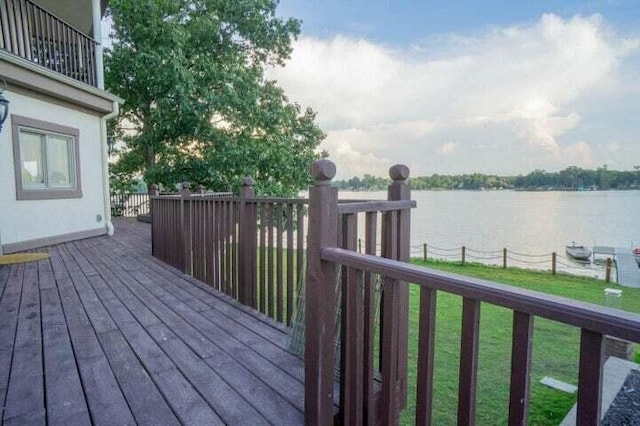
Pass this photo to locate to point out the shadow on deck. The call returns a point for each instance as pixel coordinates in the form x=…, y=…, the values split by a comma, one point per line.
x=104, y=333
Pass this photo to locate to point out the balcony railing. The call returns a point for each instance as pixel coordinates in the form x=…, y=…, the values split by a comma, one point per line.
x=29, y=31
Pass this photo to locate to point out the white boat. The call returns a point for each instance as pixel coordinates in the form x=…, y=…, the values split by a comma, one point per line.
x=578, y=252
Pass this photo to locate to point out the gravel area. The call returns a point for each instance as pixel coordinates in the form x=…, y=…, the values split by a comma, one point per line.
x=625, y=408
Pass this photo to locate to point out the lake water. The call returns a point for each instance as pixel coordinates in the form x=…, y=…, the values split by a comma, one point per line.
x=534, y=223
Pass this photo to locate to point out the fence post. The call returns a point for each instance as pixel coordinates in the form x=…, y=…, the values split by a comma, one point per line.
x=247, y=245
x=607, y=277
x=553, y=263
x=504, y=258
x=320, y=296
x=185, y=228
x=399, y=190
x=464, y=254
x=424, y=252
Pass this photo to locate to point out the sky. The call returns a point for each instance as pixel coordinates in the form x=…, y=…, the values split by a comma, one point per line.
x=464, y=86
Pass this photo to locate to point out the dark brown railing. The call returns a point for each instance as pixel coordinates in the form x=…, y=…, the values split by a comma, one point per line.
x=361, y=403
x=31, y=32
x=129, y=204
x=250, y=248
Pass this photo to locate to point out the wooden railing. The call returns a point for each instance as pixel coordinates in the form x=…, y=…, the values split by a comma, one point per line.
x=129, y=204
x=360, y=403
x=254, y=250
x=250, y=248
x=31, y=32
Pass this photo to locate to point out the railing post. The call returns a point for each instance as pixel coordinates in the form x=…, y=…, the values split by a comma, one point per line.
x=504, y=258
x=247, y=245
x=320, y=297
x=400, y=190
x=185, y=227
x=464, y=255
x=607, y=277
x=424, y=252
x=553, y=263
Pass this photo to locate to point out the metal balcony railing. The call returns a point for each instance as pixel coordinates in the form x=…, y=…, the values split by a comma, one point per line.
x=29, y=31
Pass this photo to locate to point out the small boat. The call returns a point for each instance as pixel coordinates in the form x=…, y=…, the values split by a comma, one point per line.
x=578, y=252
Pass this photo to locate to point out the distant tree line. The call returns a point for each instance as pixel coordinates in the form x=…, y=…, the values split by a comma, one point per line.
x=571, y=178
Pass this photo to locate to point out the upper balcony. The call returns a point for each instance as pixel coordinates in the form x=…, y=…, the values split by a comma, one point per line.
x=58, y=35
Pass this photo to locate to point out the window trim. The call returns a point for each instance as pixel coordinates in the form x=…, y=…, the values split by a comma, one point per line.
x=17, y=122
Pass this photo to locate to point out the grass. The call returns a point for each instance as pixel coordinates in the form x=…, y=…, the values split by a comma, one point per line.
x=555, y=347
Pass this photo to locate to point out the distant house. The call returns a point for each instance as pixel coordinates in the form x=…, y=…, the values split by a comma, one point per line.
x=54, y=182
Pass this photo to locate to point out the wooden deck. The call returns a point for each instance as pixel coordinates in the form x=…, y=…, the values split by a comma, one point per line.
x=103, y=333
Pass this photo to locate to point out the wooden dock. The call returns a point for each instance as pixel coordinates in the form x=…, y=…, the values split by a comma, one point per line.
x=103, y=333
x=627, y=270
x=627, y=267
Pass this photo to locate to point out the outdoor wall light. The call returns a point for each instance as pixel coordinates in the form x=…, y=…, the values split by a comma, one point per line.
x=4, y=104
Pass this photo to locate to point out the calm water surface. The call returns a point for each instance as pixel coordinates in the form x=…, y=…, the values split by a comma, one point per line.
x=524, y=222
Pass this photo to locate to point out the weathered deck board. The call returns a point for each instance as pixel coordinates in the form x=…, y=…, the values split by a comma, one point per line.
x=102, y=333
x=64, y=394
x=9, y=305
x=25, y=394
x=197, y=337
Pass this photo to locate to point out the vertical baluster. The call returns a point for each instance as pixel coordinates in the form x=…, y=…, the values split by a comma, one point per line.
x=223, y=247
x=29, y=30
x=56, y=45
x=230, y=249
x=51, y=64
x=520, y=368
x=290, y=298
x=299, y=245
x=468, y=361
x=262, y=254
x=215, y=218
x=62, y=54
x=73, y=53
x=13, y=36
x=270, y=264
x=206, y=219
x=389, y=317
x=279, y=275
x=4, y=26
x=234, y=235
x=68, y=70
x=370, y=242
x=199, y=253
x=351, y=395
x=426, y=360
x=21, y=32
x=85, y=61
x=590, y=378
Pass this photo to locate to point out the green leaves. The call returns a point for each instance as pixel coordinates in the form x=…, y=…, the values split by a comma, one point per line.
x=197, y=106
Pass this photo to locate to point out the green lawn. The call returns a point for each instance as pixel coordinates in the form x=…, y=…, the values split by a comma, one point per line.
x=555, y=348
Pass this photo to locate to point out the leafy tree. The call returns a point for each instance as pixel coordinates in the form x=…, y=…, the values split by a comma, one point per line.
x=197, y=104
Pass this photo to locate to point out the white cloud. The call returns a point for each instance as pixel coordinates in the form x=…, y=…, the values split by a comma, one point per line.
x=510, y=99
x=447, y=148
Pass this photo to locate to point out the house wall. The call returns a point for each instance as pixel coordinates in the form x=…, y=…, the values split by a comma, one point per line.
x=38, y=222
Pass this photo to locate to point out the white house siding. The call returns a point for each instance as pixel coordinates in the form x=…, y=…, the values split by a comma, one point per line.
x=22, y=220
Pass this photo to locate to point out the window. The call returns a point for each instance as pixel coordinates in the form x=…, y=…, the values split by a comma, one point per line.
x=46, y=160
